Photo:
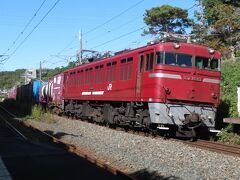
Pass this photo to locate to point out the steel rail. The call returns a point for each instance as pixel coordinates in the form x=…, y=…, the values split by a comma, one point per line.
x=73, y=149
x=215, y=147
x=233, y=150
x=86, y=155
x=10, y=126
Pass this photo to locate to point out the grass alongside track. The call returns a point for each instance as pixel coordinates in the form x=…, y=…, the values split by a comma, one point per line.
x=229, y=135
x=228, y=107
x=25, y=111
x=39, y=114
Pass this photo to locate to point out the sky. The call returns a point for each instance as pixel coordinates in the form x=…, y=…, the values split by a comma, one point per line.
x=52, y=34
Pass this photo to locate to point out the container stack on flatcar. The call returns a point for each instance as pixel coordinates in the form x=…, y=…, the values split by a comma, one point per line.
x=35, y=89
x=28, y=93
x=25, y=93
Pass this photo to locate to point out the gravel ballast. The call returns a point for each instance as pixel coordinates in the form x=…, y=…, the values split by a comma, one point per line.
x=144, y=156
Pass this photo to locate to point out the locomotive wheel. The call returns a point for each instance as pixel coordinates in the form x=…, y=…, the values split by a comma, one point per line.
x=146, y=122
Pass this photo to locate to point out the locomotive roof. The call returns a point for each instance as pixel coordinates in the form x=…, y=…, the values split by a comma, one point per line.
x=139, y=50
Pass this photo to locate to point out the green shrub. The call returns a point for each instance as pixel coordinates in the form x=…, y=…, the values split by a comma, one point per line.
x=229, y=83
x=40, y=114
x=37, y=112
x=228, y=136
x=238, y=53
x=49, y=117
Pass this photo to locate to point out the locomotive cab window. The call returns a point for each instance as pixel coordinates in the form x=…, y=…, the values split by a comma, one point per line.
x=201, y=62
x=141, y=63
x=214, y=64
x=159, y=57
x=149, y=61
x=206, y=63
x=170, y=58
x=183, y=60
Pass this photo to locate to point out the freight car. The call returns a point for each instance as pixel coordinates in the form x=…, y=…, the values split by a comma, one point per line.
x=12, y=93
x=51, y=93
x=28, y=93
x=164, y=85
x=25, y=93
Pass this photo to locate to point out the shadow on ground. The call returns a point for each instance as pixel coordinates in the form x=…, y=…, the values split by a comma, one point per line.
x=144, y=174
x=59, y=135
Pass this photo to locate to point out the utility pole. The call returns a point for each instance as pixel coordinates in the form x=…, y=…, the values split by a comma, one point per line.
x=40, y=71
x=25, y=77
x=80, y=50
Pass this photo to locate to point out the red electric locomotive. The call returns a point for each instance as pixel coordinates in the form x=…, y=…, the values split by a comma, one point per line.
x=159, y=86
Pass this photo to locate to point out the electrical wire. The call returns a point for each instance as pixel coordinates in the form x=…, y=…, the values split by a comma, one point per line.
x=115, y=28
x=114, y=17
x=132, y=31
x=35, y=27
x=119, y=37
x=25, y=27
x=111, y=19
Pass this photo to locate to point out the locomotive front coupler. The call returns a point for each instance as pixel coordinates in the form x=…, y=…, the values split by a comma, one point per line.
x=185, y=132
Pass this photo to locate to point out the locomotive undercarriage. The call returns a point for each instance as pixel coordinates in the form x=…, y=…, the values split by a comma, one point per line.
x=125, y=114
x=151, y=117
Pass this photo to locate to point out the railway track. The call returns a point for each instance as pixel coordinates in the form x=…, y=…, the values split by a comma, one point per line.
x=215, y=147
x=84, y=154
x=69, y=147
x=233, y=150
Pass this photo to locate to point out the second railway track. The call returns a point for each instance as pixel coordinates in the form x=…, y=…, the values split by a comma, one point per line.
x=216, y=147
x=69, y=147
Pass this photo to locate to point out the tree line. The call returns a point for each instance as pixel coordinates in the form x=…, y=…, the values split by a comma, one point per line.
x=216, y=23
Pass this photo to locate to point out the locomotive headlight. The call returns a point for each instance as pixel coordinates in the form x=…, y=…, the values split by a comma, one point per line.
x=211, y=51
x=176, y=45
x=209, y=117
x=170, y=114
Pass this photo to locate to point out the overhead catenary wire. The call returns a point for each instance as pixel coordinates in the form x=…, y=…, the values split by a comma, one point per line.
x=111, y=19
x=114, y=17
x=119, y=37
x=106, y=22
x=25, y=27
x=100, y=25
x=115, y=28
x=35, y=27
x=126, y=34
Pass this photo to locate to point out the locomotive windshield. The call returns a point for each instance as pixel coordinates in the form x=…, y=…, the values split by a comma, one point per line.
x=185, y=60
x=176, y=59
x=206, y=63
